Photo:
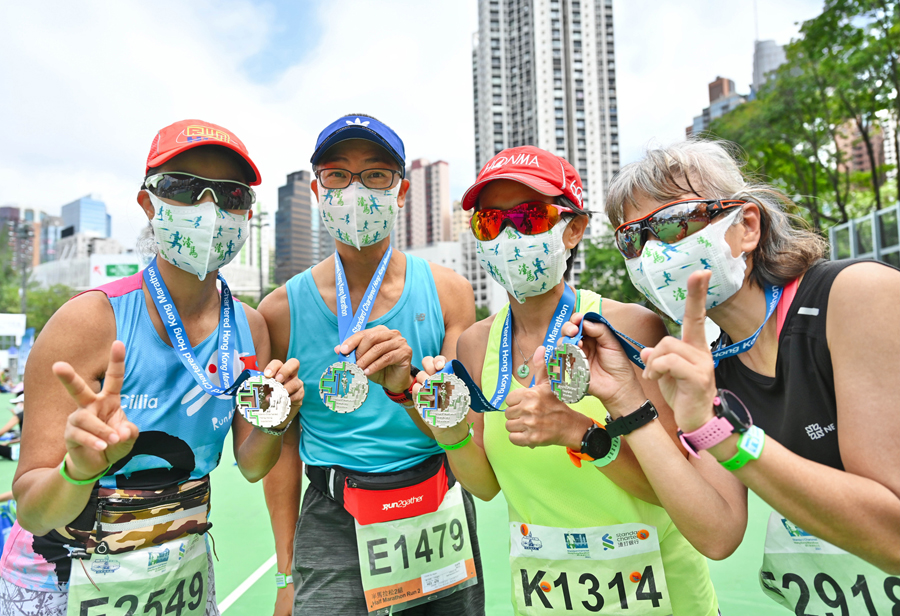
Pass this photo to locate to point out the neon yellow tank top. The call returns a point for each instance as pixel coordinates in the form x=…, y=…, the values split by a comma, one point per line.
x=543, y=487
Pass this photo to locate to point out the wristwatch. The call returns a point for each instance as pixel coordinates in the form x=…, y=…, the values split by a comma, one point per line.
x=406, y=395
x=626, y=424
x=597, y=447
x=731, y=417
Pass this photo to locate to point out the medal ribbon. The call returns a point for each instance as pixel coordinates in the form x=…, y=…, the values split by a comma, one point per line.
x=564, y=310
x=165, y=307
x=773, y=295
x=348, y=326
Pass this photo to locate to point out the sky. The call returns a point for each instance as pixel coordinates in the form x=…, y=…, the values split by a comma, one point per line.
x=85, y=86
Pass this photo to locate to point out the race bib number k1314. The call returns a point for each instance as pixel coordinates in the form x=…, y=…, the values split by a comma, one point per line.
x=608, y=570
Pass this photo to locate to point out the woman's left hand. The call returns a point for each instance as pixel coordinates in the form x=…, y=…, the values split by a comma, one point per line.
x=535, y=417
x=286, y=374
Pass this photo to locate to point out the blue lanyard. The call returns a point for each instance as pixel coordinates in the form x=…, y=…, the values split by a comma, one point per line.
x=773, y=295
x=564, y=310
x=182, y=346
x=348, y=326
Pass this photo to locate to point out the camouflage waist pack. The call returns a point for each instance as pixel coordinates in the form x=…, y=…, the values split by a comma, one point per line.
x=130, y=519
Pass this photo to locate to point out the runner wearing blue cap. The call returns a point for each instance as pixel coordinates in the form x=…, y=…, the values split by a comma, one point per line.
x=384, y=525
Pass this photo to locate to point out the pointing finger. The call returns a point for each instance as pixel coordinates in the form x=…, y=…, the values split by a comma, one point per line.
x=693, y=329
x=115, y=370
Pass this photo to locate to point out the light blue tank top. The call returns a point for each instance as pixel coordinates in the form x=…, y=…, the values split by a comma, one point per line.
x=378, y=437
x=182, y=428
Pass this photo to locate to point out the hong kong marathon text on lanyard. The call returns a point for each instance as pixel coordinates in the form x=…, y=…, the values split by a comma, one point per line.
x=773, y=295
x=343, y=386
x=250, y=383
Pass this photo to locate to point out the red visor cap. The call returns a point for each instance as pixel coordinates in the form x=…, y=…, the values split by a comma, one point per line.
x=182, y=136
x=536, y=168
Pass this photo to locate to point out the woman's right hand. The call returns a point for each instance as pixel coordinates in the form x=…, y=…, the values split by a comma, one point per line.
x=453, y=434
x=98, y=433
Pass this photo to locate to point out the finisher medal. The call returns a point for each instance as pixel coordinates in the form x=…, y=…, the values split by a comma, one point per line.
x=343, y=387
x=569, y=373
x=263, y=401
x=443, y=401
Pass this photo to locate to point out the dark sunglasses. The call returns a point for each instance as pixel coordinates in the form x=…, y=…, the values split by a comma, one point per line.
x=188, y=189
x=670, y=223
x=529, y=218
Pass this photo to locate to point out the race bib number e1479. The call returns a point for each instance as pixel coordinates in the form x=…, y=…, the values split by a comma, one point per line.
x=405, y=562
x=811, y=576
x=609, y=570
x=167, y=580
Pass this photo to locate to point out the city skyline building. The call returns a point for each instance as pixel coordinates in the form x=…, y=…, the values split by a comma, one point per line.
x=297, y=228
x=22, y=232
x=767, y=57
x=544, y=74
x=723, y=97
x=459, y=221
x=87, y=214
x=425, y=217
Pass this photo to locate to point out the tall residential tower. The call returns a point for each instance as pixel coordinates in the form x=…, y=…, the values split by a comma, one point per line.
x=544, y=74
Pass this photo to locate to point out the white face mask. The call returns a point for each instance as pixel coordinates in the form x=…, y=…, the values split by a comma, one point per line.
x=198, y=238
x=525, y=265
x=662, y=270
x=359, y=216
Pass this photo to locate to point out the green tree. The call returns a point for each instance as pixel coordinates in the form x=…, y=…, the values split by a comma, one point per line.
x=43, y=302
x=605, y=273
x=482, y=312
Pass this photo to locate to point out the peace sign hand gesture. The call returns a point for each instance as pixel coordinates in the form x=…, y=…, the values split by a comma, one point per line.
x=98, y=433
x=684, y=368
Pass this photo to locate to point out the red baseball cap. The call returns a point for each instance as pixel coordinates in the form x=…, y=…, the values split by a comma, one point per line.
x=182, y=136
x=536, y=168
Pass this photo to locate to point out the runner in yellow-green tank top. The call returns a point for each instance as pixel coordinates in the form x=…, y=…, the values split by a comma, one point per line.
x=591, y=529
x=542, y=487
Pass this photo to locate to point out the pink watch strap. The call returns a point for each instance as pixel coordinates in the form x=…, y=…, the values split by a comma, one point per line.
x=711, y=433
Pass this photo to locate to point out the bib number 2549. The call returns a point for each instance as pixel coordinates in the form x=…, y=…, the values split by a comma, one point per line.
x=184, y=598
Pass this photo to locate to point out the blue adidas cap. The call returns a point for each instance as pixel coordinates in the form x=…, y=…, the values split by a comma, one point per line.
x=360, y=127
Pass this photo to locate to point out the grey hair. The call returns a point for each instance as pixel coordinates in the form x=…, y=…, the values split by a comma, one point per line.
x=146, y=243
x=713, y=170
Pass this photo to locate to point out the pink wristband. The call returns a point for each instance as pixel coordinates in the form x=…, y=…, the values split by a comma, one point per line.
x=711, y=433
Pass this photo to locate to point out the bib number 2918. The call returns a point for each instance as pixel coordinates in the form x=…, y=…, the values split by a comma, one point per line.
x=829, y=591
x=623, y=590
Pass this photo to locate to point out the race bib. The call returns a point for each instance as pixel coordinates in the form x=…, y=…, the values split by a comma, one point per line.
x=609, y=569
x=163, y=580
x=405, y=562
x=811, y=576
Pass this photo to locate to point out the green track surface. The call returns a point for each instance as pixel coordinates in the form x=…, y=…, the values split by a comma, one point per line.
x=243, y=541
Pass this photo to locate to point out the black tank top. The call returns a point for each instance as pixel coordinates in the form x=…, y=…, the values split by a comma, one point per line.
x=797, y=407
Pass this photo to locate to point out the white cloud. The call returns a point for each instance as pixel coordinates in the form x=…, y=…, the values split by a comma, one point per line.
x=87, y=84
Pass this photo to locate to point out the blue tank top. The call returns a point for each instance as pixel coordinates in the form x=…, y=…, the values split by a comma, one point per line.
x=182, y=428
x=378, y=437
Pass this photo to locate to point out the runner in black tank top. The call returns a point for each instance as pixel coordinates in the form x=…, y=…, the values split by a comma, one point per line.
x=822, y=393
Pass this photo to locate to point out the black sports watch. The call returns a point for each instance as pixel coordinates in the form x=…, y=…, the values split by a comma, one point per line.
x=596, y=442
x=626, y=424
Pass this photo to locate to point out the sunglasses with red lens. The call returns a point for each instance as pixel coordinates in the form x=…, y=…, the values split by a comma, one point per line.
x=670, y=223
x=529, y=218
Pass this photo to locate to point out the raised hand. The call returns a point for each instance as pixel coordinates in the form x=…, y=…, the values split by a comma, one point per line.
x=684, y=368
x=286, y=374
x=383, y=355
x=535, y=417
x=613, y=379
x=98, y=433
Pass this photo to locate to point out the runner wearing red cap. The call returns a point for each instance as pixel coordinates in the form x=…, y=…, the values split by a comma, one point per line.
x=579, y=535
x=129, y=404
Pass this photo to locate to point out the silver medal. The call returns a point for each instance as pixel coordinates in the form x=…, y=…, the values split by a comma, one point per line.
x=569, y=373
x=343, y=387
x=263, y=401
x=443, y=400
